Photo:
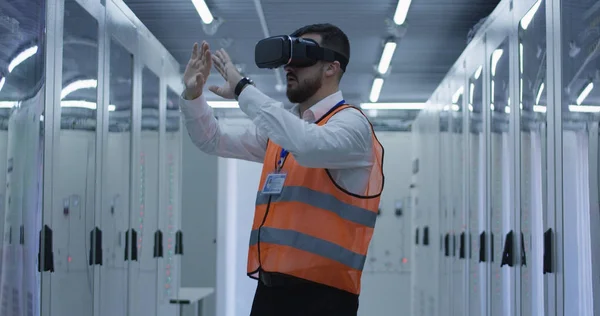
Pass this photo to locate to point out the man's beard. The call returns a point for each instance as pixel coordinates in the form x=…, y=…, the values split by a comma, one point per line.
x=304, y=90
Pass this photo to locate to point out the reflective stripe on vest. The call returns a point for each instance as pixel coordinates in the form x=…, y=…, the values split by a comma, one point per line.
x=308, y=243
x=323, y=201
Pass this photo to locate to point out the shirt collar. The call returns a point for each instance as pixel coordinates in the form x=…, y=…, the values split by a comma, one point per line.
x=321, y=108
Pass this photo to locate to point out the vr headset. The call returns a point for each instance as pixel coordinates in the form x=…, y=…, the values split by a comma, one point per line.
x=284, y=50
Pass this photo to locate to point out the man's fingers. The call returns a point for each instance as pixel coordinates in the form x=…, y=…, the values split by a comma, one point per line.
x=194, y=52
x=215, y=90
x=226, y=57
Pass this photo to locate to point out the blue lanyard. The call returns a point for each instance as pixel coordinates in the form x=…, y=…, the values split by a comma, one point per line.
x=284, y=152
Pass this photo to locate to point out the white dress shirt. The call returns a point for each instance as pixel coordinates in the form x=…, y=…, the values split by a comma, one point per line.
x=343, y=145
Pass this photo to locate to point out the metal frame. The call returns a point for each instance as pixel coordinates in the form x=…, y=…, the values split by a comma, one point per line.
x=555, y=290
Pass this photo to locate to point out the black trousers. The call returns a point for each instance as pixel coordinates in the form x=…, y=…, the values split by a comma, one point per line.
x=302, y=298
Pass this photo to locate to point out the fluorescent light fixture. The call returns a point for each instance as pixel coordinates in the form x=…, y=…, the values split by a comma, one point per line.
x=455, y=107
x=584, y=108
x=376, y=89
x=78, y=85
x=392, y=106
x=539, y=108
x=401, y=11
x=471, y=93
x=386, y=57
x=493, y=94
x=24, y=55
x=539, y=94
x=507, y=109
x=223, y=104
x=496, y=55
x=203, y=11
x=457, y=94
x=521, y=57
x=529, y=15
x=83, y=104
x=2, y=81
x=478, y=72
x=470, y=108
x=584, y=94
x=8, y=104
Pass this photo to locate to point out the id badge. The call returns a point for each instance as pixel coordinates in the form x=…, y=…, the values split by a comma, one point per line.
x=274, y=183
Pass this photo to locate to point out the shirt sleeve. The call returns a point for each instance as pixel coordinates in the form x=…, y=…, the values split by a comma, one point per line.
x=214, y=137
x=344, y=142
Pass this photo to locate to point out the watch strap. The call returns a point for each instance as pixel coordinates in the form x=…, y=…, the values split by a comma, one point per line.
x=240, y=86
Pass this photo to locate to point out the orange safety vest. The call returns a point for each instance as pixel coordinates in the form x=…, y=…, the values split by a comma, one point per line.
x=314, y=229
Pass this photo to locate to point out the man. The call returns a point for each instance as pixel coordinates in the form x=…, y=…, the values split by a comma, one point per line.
x=322, y=176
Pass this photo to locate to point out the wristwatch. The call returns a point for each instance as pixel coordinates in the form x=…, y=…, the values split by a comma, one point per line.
x=241, y=85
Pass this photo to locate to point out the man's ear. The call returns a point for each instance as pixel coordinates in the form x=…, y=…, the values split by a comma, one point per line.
x=332, y=69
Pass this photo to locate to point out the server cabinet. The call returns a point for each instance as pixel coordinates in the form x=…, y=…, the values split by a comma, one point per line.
x=445, y=205
x=23, y=91
x=476, y=178
x=532, y=147
x=578, y=98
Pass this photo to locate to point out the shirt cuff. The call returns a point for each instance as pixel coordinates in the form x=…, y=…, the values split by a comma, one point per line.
x=196, y=108
x=252, y=101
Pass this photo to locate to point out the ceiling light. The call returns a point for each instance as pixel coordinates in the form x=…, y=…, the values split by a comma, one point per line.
x=539, y=94
x=496, y=55
x=78, y=85
x=521, y=57
x=376, y=89
x=386, y=57
x=83, y=104
x=2, y=82
x=539, y=108
x=471, y=93
x=223, y=104
x=478, y=72
x=8, y=104
x=401, y=11
x=457, y=95
x=584, y=108
x=392, y=106
x=24, y=55
x=529, y=15
x=203, y=11
x=584, y=94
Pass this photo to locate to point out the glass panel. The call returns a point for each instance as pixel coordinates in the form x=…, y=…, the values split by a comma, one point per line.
x=580, y=118
x=116, y=216
x=22, y=87
x=458, y=212
x=74, y=194
x=532, y=64
x=169, y=271
x=500, y=212
x=476, y=173
x=147, y=218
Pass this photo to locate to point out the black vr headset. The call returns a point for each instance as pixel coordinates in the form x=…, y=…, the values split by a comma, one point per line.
x=284, y=50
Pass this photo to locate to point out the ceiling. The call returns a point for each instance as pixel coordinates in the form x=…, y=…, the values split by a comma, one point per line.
x=436, y=34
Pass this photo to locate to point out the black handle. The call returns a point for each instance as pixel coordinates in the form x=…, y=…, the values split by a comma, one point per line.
x=461, y=251
x=548, y=250
x=507, y=253
x=48, y=260
x=417, y=236
x=95, y=254
x=447, y=245
x=492, y=247
x=470, y=246
x=22, y=235
x=426, y=235
x=482, y=248
x=131, y=243
x=179, y=243
x=523, y=255
x=158, y=244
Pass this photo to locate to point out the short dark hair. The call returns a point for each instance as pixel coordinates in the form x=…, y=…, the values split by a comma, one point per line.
x=332, y=37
